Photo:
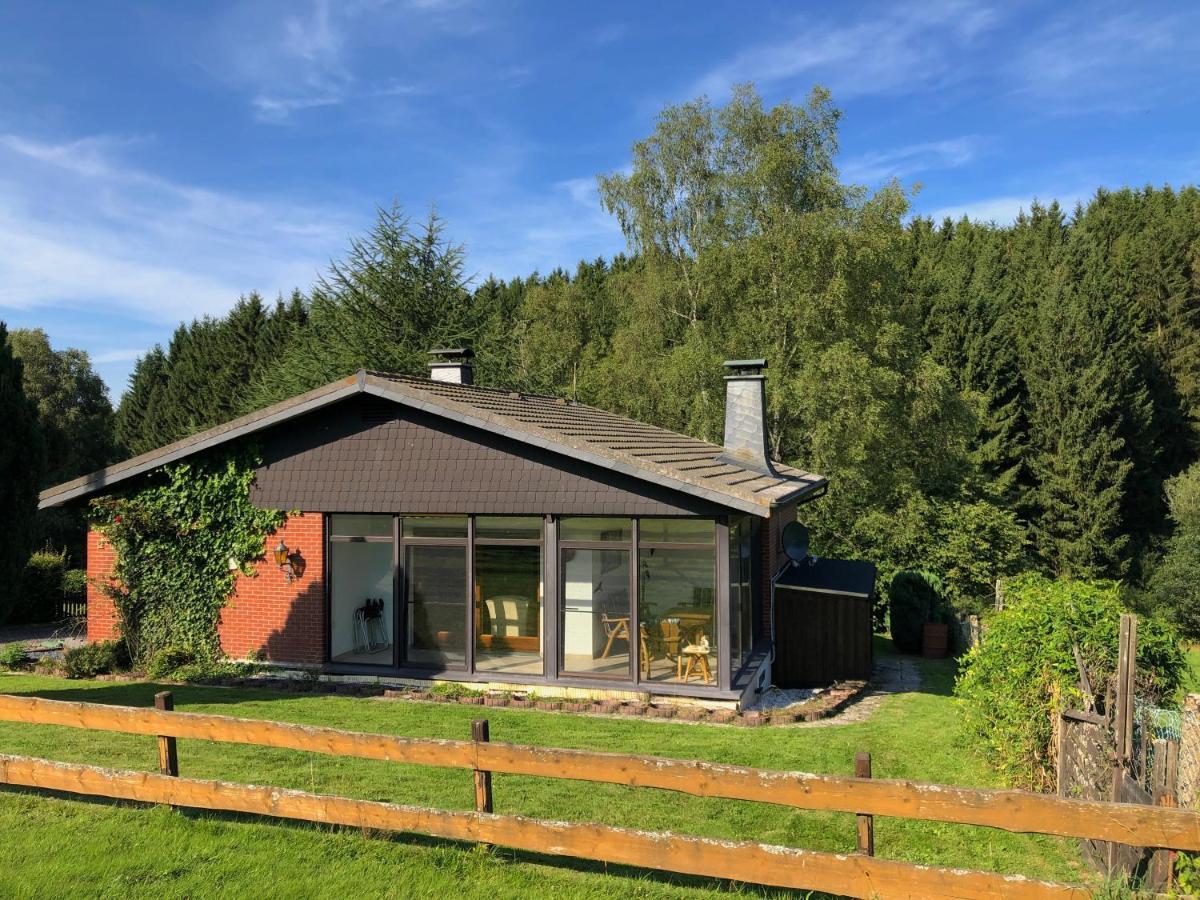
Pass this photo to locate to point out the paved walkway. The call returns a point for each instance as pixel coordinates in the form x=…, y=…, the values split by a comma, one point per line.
x=70, y=633
x=891, y=676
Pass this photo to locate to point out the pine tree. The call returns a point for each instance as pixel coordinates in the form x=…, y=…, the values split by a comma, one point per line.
x=22, y=455
x=399, y=293
x=136, y=428
x=1087, y=406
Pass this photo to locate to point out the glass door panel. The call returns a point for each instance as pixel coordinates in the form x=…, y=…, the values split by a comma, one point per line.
x=508, y=609
x=595, y=622
x=435, y=579
x=361, y=607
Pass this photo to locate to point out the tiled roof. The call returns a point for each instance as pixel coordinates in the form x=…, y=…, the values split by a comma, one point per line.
x=574, y=429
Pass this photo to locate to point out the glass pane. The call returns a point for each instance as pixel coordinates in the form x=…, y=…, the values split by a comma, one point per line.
x=677, y=531
x=436, y=592
x=590, y=529
x=741, y=607
x=526, y=528
x=596, y=612
x=360, y=526
x=360, y=596
x=435, y=526
x=508, y=610
x=677, y=615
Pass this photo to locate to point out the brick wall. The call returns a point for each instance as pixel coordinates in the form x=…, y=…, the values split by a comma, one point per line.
x=266, y=615
x=101, y=616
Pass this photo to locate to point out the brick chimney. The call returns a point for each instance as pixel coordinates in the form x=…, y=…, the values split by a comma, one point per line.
x=746, y=415
x=452, y=366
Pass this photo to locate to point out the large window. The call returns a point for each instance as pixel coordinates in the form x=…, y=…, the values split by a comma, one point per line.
x=435, y=590
x=677, y=600
x=436, y=593
x=362, y=615
x=508, y=595
x=597, y=621
x=741, y=606
x=635, y=600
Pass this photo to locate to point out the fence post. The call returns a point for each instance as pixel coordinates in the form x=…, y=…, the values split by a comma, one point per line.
x=866, y=824
x=168, y=758
x=1126, y=673
x=1164, y=783
x=483, y=778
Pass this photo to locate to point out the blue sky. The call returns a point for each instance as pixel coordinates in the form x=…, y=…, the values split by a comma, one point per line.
x=157, y=160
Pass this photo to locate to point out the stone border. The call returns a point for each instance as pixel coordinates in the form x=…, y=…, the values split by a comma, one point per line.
x=825, y=705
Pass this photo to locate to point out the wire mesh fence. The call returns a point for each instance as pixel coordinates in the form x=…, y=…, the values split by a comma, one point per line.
x=1152, y=723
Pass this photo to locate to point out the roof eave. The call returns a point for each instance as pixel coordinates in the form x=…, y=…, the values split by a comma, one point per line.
x=96, y=481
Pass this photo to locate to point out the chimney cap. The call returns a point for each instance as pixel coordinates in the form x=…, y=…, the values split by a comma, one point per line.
x=454, y=353
x=745, y=366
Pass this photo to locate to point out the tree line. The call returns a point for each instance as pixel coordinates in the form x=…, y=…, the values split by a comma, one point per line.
x=985, y=399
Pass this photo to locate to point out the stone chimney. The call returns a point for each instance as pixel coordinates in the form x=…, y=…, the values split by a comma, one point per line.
x=452, y=366
x=746, y=416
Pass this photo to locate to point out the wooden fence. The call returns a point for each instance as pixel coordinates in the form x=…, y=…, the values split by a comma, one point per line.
x=821, y=637
x=859, y=875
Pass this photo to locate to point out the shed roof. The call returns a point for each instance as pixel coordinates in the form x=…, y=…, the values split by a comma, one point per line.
x=849, y=577
x=573, y=429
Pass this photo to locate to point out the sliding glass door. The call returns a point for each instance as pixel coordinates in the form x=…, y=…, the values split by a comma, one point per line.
x=361, y=590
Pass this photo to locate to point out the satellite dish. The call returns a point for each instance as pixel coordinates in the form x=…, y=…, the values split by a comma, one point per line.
x=795, y=541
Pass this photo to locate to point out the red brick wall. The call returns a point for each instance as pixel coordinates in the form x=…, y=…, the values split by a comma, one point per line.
x=266, y=615
x=101, y=616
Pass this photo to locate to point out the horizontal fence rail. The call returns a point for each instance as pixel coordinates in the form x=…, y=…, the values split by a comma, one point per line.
x=851, y=875
x=1009, y=810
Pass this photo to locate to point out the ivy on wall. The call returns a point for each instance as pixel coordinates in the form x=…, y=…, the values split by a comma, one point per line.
x=180, y=542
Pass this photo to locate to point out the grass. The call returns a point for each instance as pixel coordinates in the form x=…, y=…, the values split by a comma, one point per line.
x=57, y=844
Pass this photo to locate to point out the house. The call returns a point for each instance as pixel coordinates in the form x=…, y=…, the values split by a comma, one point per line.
x=446, y=530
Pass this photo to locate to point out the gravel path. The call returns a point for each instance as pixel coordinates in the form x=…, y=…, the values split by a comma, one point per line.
x=891, y=676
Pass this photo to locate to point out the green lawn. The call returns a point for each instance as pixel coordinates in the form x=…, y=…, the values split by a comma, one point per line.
x=60, y=845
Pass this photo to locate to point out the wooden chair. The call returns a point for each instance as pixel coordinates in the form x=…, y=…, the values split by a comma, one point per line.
x=697, y=654
x=615, y=628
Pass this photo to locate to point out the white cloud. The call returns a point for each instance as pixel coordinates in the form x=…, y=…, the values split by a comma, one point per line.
x=1091, y=59
x=888, y=52
x=80, y=226
x=292, y=57
x=902, y=162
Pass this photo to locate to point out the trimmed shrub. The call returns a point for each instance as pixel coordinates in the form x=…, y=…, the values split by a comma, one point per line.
x=1023, y=673
x=915, y=598
x=41, y=586
x=74, y=584
x=166, y=661
x=15, y=656
x=100, y=658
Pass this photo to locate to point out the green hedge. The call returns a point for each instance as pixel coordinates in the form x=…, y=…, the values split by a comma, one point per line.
x=1023, y=672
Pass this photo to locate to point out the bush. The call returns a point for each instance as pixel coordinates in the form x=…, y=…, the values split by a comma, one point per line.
x=100, y=658
x=164, y=663
x=1023, y=673
x=915, y=598
x=14, y=656
x=41, y=587
x=74, y=584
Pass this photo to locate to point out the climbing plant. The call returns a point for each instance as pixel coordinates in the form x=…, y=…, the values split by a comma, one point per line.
x=180, y=541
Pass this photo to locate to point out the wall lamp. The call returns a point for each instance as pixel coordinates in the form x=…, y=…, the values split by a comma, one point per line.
x=283, y=559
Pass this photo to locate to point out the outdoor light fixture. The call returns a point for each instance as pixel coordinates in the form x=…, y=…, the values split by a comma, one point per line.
x=283, y=559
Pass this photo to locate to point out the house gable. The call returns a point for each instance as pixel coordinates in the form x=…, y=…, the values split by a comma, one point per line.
x=368, y=454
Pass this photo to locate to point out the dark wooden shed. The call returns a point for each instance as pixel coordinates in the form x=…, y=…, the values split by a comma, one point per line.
x=823, y=622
